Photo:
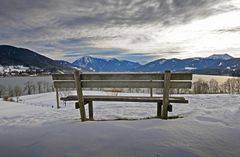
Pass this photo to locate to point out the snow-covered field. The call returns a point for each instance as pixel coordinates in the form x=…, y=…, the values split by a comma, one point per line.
x=210, y=127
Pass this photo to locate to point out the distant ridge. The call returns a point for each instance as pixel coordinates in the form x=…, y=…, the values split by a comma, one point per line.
x=10, y=55
x=217, y=64
x=220, y=56
x=99, y=64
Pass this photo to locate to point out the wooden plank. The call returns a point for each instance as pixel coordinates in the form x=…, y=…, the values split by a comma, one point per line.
x=180, y=84
x=121, y=84
x=80, y=95
x=123, y=76
x=164, y=111
x=181, y=76
x=64, y=84
x=63, y=76
x=133, y=99
x=88, y=98
x=134, y=76
x=90, y=110
x=132, y=84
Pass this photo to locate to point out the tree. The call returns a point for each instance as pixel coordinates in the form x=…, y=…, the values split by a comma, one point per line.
x=10, y=91
x=17, y=92
x=39, y=86
x=29, y=87
x=238, y=86
x=46, y=87
x=229, y=86
x=2, y=90
x=200, y=87
x=213, y=86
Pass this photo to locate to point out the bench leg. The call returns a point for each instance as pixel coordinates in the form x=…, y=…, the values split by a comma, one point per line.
x=159, y=108
x=76, y=105
x=90, y=109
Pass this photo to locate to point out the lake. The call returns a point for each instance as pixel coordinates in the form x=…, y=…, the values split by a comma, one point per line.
x=20, y=81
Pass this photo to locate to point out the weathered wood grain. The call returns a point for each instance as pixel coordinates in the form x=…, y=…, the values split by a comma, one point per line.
x=80, y=95
x=57, y=98
x=167, y=85
x=88, y=98
x=123, y=76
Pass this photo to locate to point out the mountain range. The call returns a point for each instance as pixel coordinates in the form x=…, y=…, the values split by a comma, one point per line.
x=106, y=65
x=217, y=64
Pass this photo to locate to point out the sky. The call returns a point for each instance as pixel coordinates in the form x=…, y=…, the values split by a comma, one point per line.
x=137, y=30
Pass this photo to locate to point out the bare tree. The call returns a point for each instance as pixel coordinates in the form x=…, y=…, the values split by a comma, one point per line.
x=39, y=86
x=17, y=92
x=213, y=86
x=10, y=91
x=29, y=87
x=46, y=87
x=200, y=87
x=2, y=90
x=238, y=86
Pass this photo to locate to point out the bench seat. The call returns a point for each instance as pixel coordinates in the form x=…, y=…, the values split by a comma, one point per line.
x=88, y=98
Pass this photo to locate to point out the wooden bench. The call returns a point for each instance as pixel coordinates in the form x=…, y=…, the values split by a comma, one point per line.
x=166, y=81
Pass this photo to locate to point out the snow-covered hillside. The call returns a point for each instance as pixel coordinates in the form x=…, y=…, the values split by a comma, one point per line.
x=210, y=127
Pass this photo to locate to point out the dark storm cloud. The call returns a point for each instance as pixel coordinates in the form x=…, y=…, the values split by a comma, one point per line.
x=98, y=27
x=168, y=12
x=108, y=12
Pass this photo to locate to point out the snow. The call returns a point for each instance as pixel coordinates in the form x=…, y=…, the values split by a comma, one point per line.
x=210, y=127
x=220, y=56
x=190, y=68
x=18, y=68
x=228, y=67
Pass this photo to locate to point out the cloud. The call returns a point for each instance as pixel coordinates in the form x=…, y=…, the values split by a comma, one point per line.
x=120, y=28
x=229, y=30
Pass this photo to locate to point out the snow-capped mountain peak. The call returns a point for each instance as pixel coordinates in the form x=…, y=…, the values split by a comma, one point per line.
x=99, y=64
x=220, y=56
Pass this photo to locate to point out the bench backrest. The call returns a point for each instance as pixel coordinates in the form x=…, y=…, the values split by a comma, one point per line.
x=123, y=80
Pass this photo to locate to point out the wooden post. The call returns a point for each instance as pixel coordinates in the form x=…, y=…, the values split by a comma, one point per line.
x=151, y=91
x=159, y=106
x=164, y=110
x=90, y=110
x=80, y=95
x=57, y=97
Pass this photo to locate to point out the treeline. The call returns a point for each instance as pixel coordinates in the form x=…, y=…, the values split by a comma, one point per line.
x=27, y=89
x=230, y=86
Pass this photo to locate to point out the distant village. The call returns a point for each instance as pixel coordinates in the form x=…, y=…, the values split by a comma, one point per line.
x=8, y=71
